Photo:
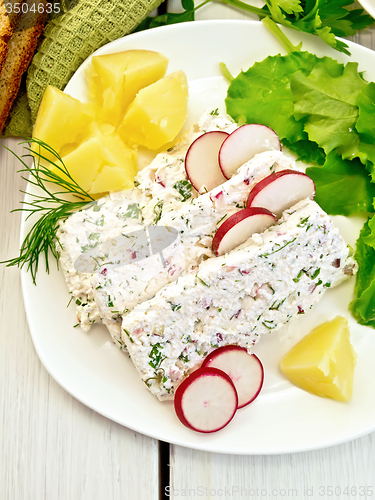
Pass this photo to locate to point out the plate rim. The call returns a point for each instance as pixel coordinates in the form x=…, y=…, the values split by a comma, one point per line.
x=25, y=278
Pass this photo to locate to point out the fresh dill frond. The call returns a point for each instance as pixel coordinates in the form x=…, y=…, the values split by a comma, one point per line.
x=53, y=206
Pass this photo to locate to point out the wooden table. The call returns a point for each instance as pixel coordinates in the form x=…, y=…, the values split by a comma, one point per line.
x=55, y=448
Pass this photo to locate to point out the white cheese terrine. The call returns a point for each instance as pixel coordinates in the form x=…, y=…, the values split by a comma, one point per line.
x=120, y=289
x=160, y=187
x=105, y=219
x=234, y=299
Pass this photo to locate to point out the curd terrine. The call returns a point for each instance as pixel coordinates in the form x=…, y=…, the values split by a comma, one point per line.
x=234, y=299
x=118, y=289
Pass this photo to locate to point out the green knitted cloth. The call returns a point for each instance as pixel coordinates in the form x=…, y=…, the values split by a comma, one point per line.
x=19, y=122
x=67, y=41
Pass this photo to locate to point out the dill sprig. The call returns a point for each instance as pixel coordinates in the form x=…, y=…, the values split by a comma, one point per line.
x=53, y=206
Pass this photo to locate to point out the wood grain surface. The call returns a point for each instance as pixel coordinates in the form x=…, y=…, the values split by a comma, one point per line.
x=52, y=446
x=55, y=448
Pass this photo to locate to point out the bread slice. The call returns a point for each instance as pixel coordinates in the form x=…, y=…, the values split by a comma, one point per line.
x=5, y=26
x=14, y=8
x=5, y=34
x=21, y=48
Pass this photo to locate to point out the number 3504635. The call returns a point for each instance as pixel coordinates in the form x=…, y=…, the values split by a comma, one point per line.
x=17, y=8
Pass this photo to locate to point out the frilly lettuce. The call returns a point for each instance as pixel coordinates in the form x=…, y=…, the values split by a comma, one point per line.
x=262, y=94
x=363, y=305
x=342, y=187
x=325, y=101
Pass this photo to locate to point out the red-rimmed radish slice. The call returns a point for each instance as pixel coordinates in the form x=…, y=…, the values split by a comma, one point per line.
x=281, y=190
x=245, y=370
x=243, y=144
x=239, y=227
x=201, y=161
x=206, y=400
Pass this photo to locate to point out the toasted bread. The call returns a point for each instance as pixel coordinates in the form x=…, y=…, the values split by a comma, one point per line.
x=21, y=48
x=5, y=34
x=14, y=8
x=5, y=26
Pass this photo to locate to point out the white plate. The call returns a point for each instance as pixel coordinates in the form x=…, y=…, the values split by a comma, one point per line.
x=284, y=418
x=369, y=6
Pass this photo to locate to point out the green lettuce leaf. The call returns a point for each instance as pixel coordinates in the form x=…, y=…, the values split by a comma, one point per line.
x=262, y=94
x=307, y=151
x=343, y=187
x=369, y=239
x=364, y=151
x=363, y=306
x=366, y=105
x=326, y=100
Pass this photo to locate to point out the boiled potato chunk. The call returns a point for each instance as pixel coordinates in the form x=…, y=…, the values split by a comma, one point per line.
x=102, y=164
x=323, y=361
x=62, y=122
x=119, y=169
x=158, y=112
x=85, y=162
x=109, y=178
x=115, y=79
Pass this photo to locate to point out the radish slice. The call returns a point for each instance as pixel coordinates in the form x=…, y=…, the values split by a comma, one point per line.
x=245, y=370
x=239, y=227
x=243, y=144
x=281, y=190
x=206, y=400
x=201, y=161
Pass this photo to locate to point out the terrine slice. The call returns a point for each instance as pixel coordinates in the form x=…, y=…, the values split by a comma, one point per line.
x=234, y=299
x=119, y=289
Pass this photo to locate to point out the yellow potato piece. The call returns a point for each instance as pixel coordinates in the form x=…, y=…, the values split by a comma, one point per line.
x=158, y=112
x=62, y=122
x=102, y=164
x=108, y=180
x=323, y=361
x=120, y=169
x=115, y=79
x=85, y=162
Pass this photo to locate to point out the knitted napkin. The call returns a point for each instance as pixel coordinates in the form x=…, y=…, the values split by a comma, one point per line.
x=66, y=42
